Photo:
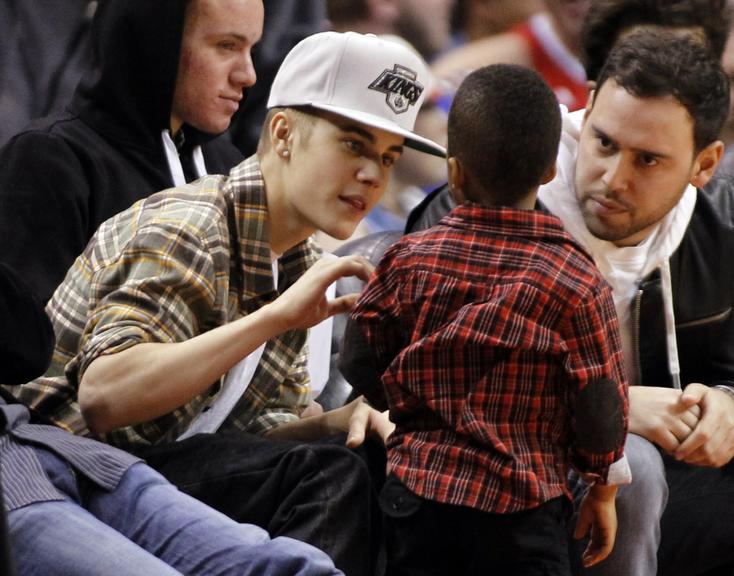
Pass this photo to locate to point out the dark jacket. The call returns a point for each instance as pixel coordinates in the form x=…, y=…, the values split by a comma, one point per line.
x=66, y=174
x=703, y=292
x=26, y=336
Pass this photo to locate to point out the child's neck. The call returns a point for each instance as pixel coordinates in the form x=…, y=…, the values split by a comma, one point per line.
x=523, y=202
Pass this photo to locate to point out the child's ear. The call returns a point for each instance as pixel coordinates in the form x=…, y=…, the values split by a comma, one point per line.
x=457, y=179
x=549, y=174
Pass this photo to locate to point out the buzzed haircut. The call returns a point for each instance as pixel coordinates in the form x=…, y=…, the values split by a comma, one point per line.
x=606, y=20
x=653, y=63
x=504, y=126
x=303, y=116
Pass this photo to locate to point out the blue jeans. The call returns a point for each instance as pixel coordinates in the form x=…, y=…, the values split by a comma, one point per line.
x=144, y=527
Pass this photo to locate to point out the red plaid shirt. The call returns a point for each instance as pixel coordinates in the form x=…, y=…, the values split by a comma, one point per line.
x=477, y=335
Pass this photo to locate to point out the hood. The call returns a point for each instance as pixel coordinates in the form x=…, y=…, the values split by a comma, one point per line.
x=128, y=93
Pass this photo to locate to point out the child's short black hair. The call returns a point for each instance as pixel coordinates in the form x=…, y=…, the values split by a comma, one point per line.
x=504, y=127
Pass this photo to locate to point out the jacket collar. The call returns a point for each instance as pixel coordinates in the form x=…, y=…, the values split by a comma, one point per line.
x=246, y=194
x=506, y=221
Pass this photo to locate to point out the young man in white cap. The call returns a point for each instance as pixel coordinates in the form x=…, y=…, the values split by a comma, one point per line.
x=185, y=318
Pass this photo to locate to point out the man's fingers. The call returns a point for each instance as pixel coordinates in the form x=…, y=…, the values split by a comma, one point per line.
x=358, y=424
x=342, y=304
x=668, y=441
x=352, y=265
x=366, y=419
x=695, y=440
x=382, y=425
x=712, y=453
x=681, y=430
x=691, y=416
x=693, y=394
x=694, y=411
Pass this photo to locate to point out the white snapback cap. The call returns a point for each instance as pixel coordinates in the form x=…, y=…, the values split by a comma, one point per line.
x=374, y=81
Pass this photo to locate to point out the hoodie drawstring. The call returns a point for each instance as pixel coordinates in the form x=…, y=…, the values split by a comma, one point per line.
x=670, y=339
x=174, y=162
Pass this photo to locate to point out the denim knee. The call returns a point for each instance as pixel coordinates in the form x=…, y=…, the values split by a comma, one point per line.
x=646, y=496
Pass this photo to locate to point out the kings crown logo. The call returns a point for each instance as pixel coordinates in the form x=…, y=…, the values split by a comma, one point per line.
x=401, y=87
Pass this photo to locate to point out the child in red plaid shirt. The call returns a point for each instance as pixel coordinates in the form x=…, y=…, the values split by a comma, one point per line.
x=493, y=340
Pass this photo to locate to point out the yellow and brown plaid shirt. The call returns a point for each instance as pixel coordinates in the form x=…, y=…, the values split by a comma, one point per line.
x=179, y=263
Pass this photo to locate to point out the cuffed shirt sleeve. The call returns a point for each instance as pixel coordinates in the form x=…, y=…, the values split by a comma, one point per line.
x=599, y=402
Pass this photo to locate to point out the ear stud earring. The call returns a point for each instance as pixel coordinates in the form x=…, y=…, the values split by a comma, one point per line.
x=285, y=153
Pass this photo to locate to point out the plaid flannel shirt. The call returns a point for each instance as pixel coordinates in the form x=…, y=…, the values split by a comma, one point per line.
x=478, y=334
x=173, y=266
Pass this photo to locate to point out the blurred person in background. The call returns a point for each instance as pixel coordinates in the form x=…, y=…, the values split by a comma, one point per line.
x=425, y=24
x=45, y=48
x=727, y=62
x=549, y=42
x=475, y=19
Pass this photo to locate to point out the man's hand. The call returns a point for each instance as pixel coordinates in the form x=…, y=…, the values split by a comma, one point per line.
x=663, y=416
x=359, y=419
x=597, y=519
x=712, y=441
x=304, y=304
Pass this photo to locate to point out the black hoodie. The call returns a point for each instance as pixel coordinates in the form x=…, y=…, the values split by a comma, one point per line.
x=66, y=174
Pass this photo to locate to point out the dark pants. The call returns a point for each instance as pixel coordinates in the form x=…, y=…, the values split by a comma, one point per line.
x=697, y=527
x=425, y=538
x=319, y=492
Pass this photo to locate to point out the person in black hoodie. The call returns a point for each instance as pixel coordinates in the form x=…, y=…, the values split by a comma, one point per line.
x=168, y=76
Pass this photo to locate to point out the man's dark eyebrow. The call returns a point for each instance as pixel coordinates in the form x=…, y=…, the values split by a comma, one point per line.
x=239, y=37
x=367, y=135
x=601, y=134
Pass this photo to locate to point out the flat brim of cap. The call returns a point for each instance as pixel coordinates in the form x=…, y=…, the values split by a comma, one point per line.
x=412, y=140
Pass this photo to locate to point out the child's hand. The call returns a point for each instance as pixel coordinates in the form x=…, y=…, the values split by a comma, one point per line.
x=598, y=519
